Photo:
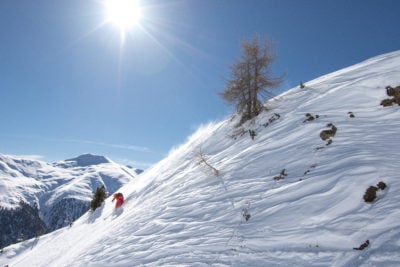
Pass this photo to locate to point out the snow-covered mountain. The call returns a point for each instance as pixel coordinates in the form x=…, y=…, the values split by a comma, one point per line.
x=282, y=198
x=61, y=191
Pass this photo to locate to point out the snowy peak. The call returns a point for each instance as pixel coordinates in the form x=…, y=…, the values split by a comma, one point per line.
x=86, y=160
x=19, y=167
x=137, y=171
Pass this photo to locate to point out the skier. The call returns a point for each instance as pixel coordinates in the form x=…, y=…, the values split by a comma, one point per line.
x=120, y=199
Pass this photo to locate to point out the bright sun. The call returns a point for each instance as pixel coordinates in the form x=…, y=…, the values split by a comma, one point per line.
x=125, y=14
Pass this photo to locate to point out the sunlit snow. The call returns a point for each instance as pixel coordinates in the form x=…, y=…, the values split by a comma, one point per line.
x=180, y=213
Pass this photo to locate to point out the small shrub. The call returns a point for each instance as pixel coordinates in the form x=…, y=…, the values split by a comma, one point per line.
x=310, y=169
x=202, y=159
x=381, y=185
x=370, y=194
x=252, y=134
x=98, y=198
x=387, y=102
x=310, y=117
x=239, y=132
x=39, y=233
x=326, y=134
x=246, y=215
x=281, y=176
x=273, y=118
x=363, y=246
x=394, y=93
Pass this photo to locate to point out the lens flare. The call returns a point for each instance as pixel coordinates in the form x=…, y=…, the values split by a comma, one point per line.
x=125, y=14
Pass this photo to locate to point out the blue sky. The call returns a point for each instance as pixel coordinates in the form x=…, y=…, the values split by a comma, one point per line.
x=70, y=84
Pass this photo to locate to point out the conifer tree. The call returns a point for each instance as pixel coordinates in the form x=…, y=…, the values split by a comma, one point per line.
x=98, y=198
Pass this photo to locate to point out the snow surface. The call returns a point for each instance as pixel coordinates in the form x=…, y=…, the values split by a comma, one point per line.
x=180, y=213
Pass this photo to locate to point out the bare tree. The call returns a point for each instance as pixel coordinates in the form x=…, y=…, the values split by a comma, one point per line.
x=202, y=158
x=251, y=80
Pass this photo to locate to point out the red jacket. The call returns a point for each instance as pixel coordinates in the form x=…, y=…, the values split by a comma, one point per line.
x=120, y=199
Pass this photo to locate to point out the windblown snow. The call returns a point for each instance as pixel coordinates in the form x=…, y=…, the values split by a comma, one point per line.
x=286, y=198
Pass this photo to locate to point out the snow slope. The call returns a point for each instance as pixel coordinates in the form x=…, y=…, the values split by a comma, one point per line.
x=181, y=213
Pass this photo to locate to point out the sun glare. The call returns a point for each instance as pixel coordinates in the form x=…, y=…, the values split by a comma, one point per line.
x=125, y=14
